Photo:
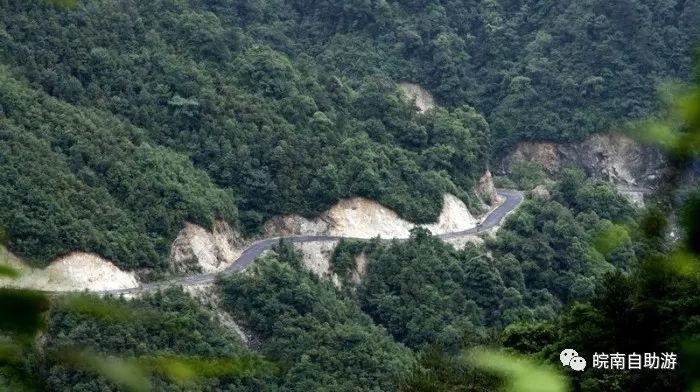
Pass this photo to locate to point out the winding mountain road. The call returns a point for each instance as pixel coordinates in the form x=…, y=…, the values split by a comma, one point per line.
x=512, y=200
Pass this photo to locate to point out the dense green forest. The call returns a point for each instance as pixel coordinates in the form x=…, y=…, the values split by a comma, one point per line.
x=288, y=106
x=121, y=121
x=426, y=292
x=545, y=282
x=421, y=303
x=243, y=115
x=327, y=341
x=77, y=179
x=538, y=69
x=167, y=324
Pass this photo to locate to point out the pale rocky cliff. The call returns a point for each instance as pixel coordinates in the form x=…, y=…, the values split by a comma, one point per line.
x=423, y=99
x=362, y=218
x=486, y=191
x=611, y=157
x=197, y=249
x=77, y=271
x=209, y=296
x=194, y=249
x=316, y=257
x=360, y=269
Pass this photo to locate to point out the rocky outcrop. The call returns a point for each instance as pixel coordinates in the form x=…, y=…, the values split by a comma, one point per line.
x=194, y=249
x=77, y=271
x=209, y=296
x=485, y=190
x=295, y=225
x=634, y=196
x=360, y=270
x=423, y=99
x=316, y=257
x=545, y=154
x=612, y=157
x=197, y=249
x=461, y=242
x=540, y=192
x=363, y=218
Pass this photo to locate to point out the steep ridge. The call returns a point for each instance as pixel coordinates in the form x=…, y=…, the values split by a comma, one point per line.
x=511, y=200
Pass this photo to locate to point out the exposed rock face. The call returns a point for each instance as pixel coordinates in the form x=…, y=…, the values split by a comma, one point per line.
x=460, y=242
x=615, y=158
x=543, y=153
x=541, y=192
x=317, y=259
x=295, y=225
x=485, y=189
x=636, y=197
x=360, y=269
x=423, y=99
x=208, y=296
x=197, y=249
x=362, y=218
x=77, y=271
x=194, y=249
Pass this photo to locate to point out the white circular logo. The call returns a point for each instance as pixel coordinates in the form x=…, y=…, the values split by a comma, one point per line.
x=566, y=355
x=577, y=363
x=569, y=357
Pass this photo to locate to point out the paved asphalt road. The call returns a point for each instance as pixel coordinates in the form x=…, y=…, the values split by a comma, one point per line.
x=512, y=200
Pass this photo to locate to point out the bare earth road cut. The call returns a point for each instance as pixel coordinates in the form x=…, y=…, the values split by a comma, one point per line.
x=512, y=200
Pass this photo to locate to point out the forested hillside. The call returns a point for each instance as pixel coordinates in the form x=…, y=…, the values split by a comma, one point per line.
x=288, y=106
x=274, y=133
x=121, y=121
x=539, y=70
x=80, y=179
x=427, y=293
x=166, y=324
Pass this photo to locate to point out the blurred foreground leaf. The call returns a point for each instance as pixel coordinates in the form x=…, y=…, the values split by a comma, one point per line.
x=133, y=374
x=688, y=107
x=61, y=3
x=660, y=134
x=691, y=362
x=689, y=219
x=678, y=131
x=684, y=263
x=7, y=271
x=93, y=306
x=125, y=373
x=10, y=352
x=610, y=238
x=520, y=374
x=21, y=311
x=185, y=370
